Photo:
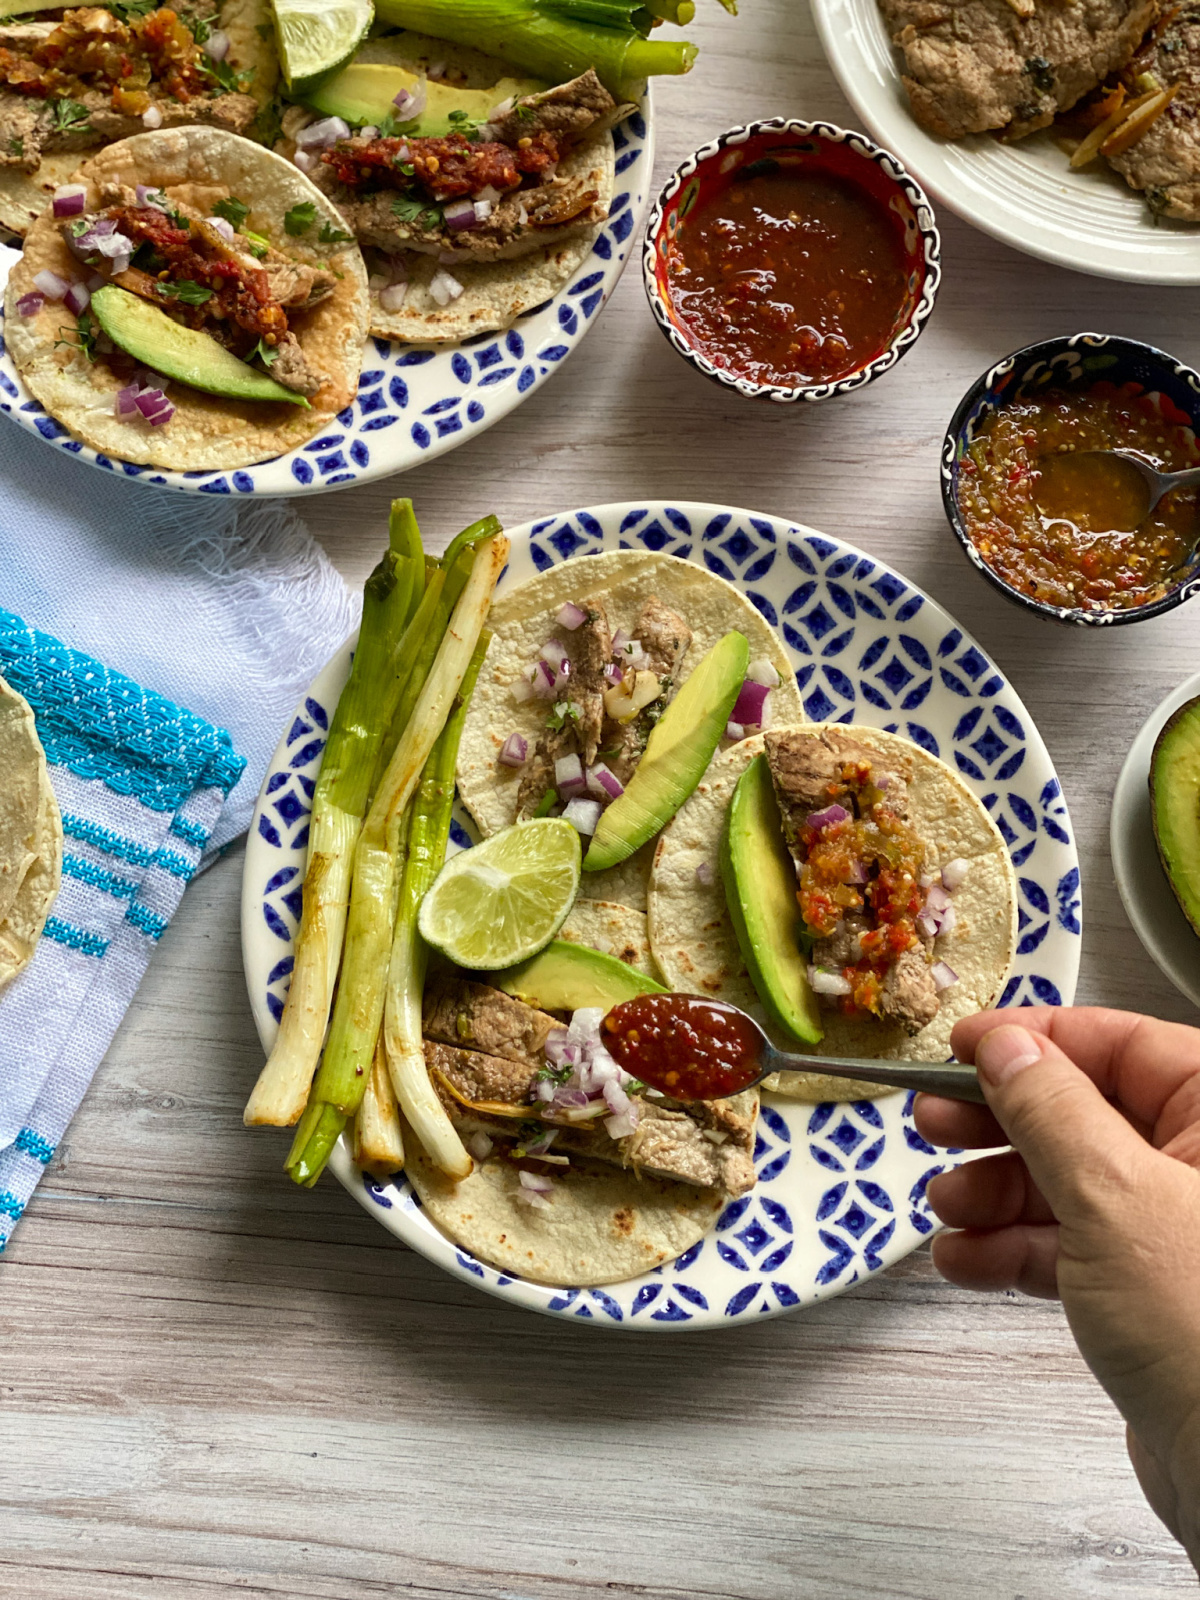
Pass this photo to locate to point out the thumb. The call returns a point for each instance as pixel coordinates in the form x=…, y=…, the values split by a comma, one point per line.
x=1079, y=1149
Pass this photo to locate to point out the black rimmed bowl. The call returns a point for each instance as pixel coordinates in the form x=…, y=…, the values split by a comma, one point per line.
x=1078, y=362
x=815, y=147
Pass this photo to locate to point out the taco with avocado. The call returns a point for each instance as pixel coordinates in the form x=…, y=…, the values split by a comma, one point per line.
x=899, y=910
x=30, y=835
x=203, y=307
x=470, y=213
x=581, y=1174
x=74, y=79
x=583, y=663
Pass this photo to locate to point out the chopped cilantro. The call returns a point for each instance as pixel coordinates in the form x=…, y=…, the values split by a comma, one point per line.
x=232, y=209
x=391, y=128
x=563, y=710
x=547, y=803
x=200, y=29
x=525, y=113
x=187, y=291
x=550, y=1074
x=16, y=145
x=128, y=9
x=332, y=235
x=300, y=218
x=67, y=114
x=84, y=335
x=231, y=81
x=264, y=353
x=409, y=210
x=79, y=227
x=257, y=244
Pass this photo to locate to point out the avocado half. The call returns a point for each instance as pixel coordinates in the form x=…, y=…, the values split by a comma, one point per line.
x=1175, y=805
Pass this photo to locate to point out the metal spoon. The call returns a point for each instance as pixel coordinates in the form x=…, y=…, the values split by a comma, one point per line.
x=1157, y=484
x=644, y=1034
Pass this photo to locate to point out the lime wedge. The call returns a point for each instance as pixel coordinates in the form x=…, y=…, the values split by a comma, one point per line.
x=316, y=37
x=504, y=900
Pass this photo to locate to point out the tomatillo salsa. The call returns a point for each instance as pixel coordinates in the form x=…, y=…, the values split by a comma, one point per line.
x=788, y=277
x=685, y=1045
x=1074, y=532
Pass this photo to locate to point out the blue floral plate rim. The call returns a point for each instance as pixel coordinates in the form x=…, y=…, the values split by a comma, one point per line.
x=841, y=1188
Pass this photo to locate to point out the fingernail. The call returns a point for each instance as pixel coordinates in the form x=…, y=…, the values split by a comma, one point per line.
x=1004, y=1052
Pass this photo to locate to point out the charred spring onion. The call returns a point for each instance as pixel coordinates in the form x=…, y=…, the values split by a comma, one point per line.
x=358, y=1010
x=378, y=1142
x=556, y=39
x=429, y=829
x=342, y=795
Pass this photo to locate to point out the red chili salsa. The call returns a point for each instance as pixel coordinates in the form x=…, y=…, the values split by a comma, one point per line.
x=687, y=1046
x=1062, y=524
x=789, y=277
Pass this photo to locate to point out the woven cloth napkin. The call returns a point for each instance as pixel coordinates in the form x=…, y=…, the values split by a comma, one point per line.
x=162, y=641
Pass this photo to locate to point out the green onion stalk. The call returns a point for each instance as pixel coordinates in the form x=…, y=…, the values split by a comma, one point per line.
x=378, y=1141
x=377, y=675
x=437, y=676
x=429, y=830
x=554, y=39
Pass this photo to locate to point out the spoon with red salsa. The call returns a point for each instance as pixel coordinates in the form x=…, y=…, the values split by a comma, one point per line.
x=693, y=1048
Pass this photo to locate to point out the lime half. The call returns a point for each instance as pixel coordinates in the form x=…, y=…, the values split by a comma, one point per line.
x=316, y=37
x=504, y=900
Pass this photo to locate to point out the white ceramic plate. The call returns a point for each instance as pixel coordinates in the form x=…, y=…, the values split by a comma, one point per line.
x=414, y=402
x=841, y=1188
x=1023, y=194
x=1168, y=936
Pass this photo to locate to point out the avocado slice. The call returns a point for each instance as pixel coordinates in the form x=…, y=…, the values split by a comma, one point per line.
x=676, y=756
x=566, y=976
x=185, y=354
x=760, y=892
x=1175, y=805
x=365, y=93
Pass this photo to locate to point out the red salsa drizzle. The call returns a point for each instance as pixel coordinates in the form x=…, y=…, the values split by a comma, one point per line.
x=689, y=1047
x=789, y=277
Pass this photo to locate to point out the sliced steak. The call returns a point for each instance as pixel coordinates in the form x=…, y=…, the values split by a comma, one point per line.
x=666, y=638
x=589, y=650
x=808, y=773
x=1165, y=162
x=478, y=1077
x=910, y=995
x=478, y=1017
x=978, y=65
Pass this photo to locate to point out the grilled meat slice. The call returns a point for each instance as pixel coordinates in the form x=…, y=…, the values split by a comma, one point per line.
x=476, y=1017
x=479, y=1078
x=973, y=65
x=570, y=112
x=808, y=774
x=589, y=650
x=1165, y=162
x=665, y=637
x=843, y=947
x=910, y=995
x=290, y=367
x=23, y=126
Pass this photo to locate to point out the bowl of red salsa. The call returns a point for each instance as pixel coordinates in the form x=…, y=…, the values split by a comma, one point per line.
x=791, y=260
x=1041, y=514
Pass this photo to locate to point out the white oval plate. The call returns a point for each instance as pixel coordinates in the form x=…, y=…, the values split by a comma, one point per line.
x=1150, y=904
x=414, y=402
x=841, y=1188
x=1023, y=194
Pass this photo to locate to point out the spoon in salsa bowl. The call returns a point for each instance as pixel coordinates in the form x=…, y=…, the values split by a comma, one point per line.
x=693, y=1048
x=1106, y=491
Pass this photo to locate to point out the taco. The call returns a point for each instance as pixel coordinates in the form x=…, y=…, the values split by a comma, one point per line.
x=907, y=896
x=77, y=80
x=223, y=239
x=468, y=228
x=581, y=1176
x=30, y=835
x=635, y=625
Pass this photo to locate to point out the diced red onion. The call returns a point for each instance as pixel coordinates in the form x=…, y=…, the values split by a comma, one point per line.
x=936, y=901
x=556, y=1042
x=50, y=284
x=150, y=400
x=613, y=674
x=483, y=210
x=749, y=708
x=459, y=216
x=393, y=297
x=954, y=873
x=322, y=135
x=224, y=227
x=410, y=103
x=631, y=654
x=502, y=110
x=305, y=160
x=112, y=246
x=535, y=1201
x=604, y=783
x=927, y=927
x=926, y=880
x=522, y=691
x=858, y=873
x=571, y=616
x=704, y=873
x=544, y=677
x=125, y=403
x=370, y=131
x=152, y=118
x=568, y=775
x=583, y=815
x=69, y=199
x=217, y=44
x=480, y=1145
x=943, y=975
x=76, y=299
x=824, y=982
x=948, y=920
x=618, y=1101
x=763, y=671
x=621, y=1127
x=514, y=752
x=735, y=731
x=539, y=1146
x=30, y=304
x=619, y=640
x=444, y=288
x=150, y=196
x=820, y=820
x=555, y=653
x=536, y=1181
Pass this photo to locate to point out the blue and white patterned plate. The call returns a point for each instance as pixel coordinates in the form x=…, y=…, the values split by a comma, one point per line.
x=414, y=402
x=841, y=1188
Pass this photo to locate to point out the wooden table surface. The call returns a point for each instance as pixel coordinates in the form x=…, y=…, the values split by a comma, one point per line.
x=214, y=1383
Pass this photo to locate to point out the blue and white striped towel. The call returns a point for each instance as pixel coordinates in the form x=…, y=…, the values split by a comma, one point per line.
x=229, y=611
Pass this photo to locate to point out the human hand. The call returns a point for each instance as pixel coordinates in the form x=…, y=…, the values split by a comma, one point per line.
x=1098, y=1203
